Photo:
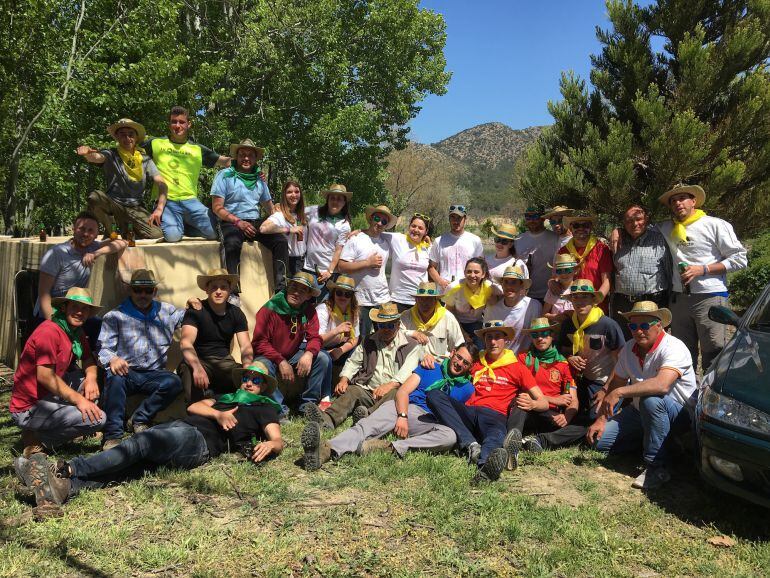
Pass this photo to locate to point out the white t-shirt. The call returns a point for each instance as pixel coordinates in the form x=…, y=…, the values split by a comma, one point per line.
x=296, y=248
x=323, y=237
x=326, y=323
x=462, y=309
x=670, y=353
x=451, y=253
x=498, y=266
x=408, y=267
x=543, y=247
x=371, y=284
x=518, y=316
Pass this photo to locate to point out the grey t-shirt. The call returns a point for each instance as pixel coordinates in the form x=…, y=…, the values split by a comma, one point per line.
x=118, y=185
x=65, y=265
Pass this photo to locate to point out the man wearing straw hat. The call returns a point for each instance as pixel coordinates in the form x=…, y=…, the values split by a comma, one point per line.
x=237, y=195
x=127, y=172
x=516, y=309
x=704, y=250
x=655, y=371
x=133, y=349
x=430, y=324
x=593, y=256
x=555, y=217
x=49, y=402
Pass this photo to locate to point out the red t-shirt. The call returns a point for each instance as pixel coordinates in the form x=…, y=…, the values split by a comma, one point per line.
x=599, y=261
x=551, y=378
x=498, y=393
x=48, y=345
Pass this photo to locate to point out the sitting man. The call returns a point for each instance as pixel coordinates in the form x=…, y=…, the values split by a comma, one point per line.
x=480, y=423
x=207, y=336
x=50, y=402
x=233, y=423
x=385, y=359
x=133, y=349
x=127, y=172
x=407, y=416
x=655, y=371
x=516, y=309
x=286, y=338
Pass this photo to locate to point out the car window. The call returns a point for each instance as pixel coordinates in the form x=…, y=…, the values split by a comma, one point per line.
x=761, y=319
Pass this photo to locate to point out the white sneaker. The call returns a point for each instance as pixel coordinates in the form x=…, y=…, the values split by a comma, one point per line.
x=234, y=300
x=651, y=478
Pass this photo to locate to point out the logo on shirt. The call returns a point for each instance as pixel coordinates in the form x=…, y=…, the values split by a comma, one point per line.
x=554, y=376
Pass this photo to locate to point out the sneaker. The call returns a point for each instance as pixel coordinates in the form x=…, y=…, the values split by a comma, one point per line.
x=317, y=451
x=473, y=452
x=234, y=300
x=324, y=405
x=512, y=445
x=532, y=444
x=493, y=467
x=111, y=443
x=651, y=478
x=359, y=413
x=375, y=445
x=314, y=414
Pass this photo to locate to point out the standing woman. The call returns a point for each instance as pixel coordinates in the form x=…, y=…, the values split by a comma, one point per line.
x=410, y=260
x=505, y=252
x=290, y=220
x=467, y=299
x=328, y=229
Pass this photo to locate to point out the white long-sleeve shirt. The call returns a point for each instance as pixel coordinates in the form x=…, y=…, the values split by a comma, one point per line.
x=709, y=240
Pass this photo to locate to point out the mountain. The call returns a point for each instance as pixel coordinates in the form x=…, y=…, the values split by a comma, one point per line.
x=487, y=146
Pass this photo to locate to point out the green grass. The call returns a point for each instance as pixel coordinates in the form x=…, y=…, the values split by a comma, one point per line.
x=565, y=513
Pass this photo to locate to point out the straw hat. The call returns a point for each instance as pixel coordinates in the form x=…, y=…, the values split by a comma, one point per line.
x=584, y=287
x=428, y=289
x=694, y=190
x=269, y=381
x=650, y=309
x=392, y=219
x=247, y=144
x=579, y=218
x=505, y=231
x=343, y=282
x=306, y=279
x=540, y=324
x=212, y=274
x=563, y=261
x=337, y=189
x=76, y=294
x=127, y=122
x=496, y=325
x=515, y=272
x=385, y=313
x=558, y=211
x=143, y=278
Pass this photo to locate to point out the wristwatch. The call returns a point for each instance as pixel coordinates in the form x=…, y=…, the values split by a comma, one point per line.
x=402, y=414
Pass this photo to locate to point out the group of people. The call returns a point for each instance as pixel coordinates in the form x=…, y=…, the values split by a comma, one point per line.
x=490, y=356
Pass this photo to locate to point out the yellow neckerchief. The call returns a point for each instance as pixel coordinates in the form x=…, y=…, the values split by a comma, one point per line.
x=592, y=240
x=341, y=317
x=478, y=299
x=419, y=246
x=679, y=232
x=427, y=326
x=507, y=358
x=132, y=162
x=577, y=338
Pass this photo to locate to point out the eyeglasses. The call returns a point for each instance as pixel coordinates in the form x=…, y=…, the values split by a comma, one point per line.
x=565, y=270
x=460, y=359
x=254, y=378
x=581, y=289
x=541, y=334
x=143, y=290
x=503, y=240
x=389, y=325
x=457, y=208
x=643, y=326
x=587, y=225
x=381, y=220
x=341, y=293
x=531, y=216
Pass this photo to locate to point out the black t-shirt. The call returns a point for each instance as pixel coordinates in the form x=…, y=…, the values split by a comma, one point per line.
x=215, y=332
x=252, y=420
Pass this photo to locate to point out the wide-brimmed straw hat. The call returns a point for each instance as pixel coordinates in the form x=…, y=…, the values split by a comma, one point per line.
x=212, y=274
x=306, y=279
x=649, y=309
x=540, y=324
x=694, y=190
x=517, y=273
x=247, y=143
x=78, y=295
x=428, y=289
x=558, y=211
x=344, y=282
x=563, y=261
x=385, y=313
x=586, y=287
x=392, y=219
x=269, y=381
x=143, y=278
x=496, y=325
x=337, y=189
x=505, y=231
x=127, y=122
x=579, y=218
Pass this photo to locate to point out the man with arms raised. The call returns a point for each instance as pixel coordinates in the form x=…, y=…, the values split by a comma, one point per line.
x=451, y=251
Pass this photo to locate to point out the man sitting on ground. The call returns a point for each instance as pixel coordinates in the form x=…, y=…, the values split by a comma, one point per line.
x=133, y=349
x=407, y=416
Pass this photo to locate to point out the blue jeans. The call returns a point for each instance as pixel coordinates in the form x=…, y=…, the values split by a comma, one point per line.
x=189, y=215
x=648, y=427
x=319, y=381
x=160, y=386
x=470, y=329
x=175, y=443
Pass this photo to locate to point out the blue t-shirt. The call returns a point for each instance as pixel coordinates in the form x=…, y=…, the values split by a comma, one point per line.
x=239, y=200
x=460, y=392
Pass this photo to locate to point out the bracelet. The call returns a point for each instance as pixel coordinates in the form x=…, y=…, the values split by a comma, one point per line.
x=705, y=270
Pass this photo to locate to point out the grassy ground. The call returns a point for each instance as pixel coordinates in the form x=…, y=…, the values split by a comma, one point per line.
x=565, y=513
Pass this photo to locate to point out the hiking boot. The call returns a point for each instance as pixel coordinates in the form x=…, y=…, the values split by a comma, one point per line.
x=31, y=444
x=531, y=444
x=375, y=445
x=58, y=485
x=473, y=452
x=324, y=404
x=314, y=414
x=317, y=451
x=651, y=478
x=36, y=471
x=493, y=467
x=138, y=428
x=512, y=444
x=359, y=413
x=21, y=466
x=111, y=443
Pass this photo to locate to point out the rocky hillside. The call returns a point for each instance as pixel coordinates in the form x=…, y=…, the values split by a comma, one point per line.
x=488, y=145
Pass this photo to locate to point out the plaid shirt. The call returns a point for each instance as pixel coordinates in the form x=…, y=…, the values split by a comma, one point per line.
x=643, y=266
x=142, y=340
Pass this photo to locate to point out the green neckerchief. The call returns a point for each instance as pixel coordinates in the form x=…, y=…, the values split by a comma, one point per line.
x=333, y=219
x=248, y=179
x=446, y=379
x=74, y=334
x=279, y=304
x=535, y=357
x=243, y=397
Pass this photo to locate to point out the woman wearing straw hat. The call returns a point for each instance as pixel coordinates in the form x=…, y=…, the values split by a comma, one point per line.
x=505, y=252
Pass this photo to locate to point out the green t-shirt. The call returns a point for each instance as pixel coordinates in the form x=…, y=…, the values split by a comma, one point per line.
x=180, y=165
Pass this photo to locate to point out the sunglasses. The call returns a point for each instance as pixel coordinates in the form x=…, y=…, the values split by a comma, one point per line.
x=581, y=289
x=493, y=324
x=643, y=326
x=556, y=221
x=342, y=293
x=294, y=326
x=425, y=218
x=532, y=216
x=143, y=290
x=457, y=208
x=565, y=270
x=541, y=334
x=254, y=378
x=423, y=291
x=389, y=325
x=587, y=225
x=381, y=220
x=503, y=240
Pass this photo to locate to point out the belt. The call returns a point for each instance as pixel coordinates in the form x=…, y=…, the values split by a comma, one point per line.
x=646, y=297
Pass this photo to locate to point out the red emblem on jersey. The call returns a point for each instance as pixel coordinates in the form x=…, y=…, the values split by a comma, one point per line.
x=554, y=376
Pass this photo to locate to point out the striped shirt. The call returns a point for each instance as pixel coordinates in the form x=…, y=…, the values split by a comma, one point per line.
x=643, y=265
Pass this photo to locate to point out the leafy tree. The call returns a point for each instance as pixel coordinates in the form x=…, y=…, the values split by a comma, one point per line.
x=695, y=110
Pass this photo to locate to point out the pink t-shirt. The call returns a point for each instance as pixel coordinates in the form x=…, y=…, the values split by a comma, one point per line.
x=559, y=303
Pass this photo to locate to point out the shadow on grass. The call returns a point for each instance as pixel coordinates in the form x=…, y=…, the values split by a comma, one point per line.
x=60, y=551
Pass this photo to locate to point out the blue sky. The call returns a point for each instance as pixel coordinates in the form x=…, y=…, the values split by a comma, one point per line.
x=506, y=57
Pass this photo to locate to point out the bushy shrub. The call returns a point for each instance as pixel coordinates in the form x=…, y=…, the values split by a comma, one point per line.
x=746, y=285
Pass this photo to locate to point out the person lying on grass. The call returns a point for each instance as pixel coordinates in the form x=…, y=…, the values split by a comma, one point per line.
x=408, y=416
x=245, y=421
